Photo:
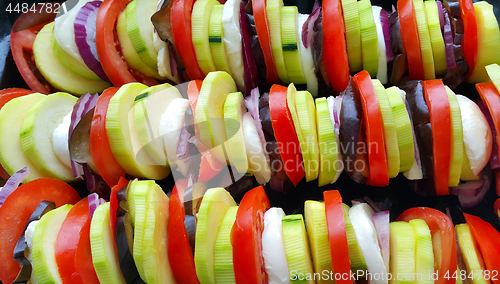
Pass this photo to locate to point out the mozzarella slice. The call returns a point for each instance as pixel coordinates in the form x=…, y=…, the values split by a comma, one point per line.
x=360, y=215
x=382, y=57
x=60, y=139
x=273, y=247
x=171, y=124
x=306, y=58
x=477, y=134
x=232, y=39
x=257, y=157
x=28, y=237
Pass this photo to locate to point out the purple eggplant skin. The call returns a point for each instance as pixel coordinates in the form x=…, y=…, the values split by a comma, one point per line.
x=19, y=251
x=324, y=87
x=399, y=66
x=190, y=224
x=124, y=239
x=272, y=149
x=455, y=76
x=351, y=136
x=423, y=132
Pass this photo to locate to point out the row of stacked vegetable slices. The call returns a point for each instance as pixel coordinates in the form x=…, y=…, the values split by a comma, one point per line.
x=207, y=131
x=201, y=235
x=261, y=43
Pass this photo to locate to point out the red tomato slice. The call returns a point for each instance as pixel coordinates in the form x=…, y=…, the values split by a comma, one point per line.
x=10, y=93
x=113, y=202
x=488, y=239
x=284, y=132
x=469, y=44
x=410, y=38
x=209, y=166
x=179, y=252
x=439, y=112
x=193, y=92
x=334, y=45
x=73, y=254
x=246, y=238
x=108, y=47
x=491, y=98
x=374, y=127
x=337, y=236
x=497, y=204
x=5, y=96
x=262, y=27
x=17, y=210
x=441, y=227
x=22, y=37
x=180, y=18
x=106, y=164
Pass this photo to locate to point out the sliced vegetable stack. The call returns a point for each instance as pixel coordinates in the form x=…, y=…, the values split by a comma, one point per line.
x=120, y=41
x=440, y=140
x=137, y=237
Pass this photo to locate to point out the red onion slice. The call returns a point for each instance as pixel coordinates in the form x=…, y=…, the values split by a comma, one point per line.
x=82, y=106
x=381, y=221
x=469, y=188
x=85, y=25
x=94, y=202
x=469, y=202
x=307, y=27
x=337, y=102
x=249, y=65
x=252, y=104
x=386, y=28
x=182, y=151
x=13, y=183
x=448, y=40
x=441, y=15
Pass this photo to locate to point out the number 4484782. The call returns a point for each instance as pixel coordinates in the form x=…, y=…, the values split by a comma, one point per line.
x=40, y=8
x=473, y=274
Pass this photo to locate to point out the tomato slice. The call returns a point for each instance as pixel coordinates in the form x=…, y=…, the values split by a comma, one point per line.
x=497, y=205
x=374, y=127
x=246, y=238
x=22, y=37
x=209, y=166
x=180, y=18
x=193, y=92
x=262, y=27
x=284, y=132
x=108, y=47
x=73, y=254
x=337, y=236
x=488, y=239
x=104, y=160
x=17, y=210
x=439, y=112
x=410, y=38
x=179, y=252
x=334, y=45
x=5, y=96
x=441, y=227
x=491, y=98
x=10, y=93
x=113, y=201
x=469, y=46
